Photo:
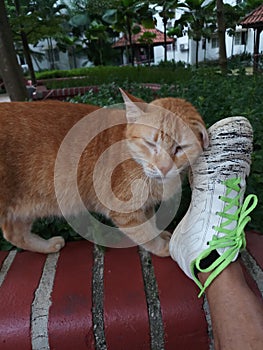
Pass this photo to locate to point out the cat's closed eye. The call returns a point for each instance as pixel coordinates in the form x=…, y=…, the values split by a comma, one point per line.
x=150, y=143
x=178, y=150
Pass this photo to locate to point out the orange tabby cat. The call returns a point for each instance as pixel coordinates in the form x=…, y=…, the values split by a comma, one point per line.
x=153, y=146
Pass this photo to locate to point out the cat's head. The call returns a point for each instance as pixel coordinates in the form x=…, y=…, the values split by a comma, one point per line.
x=160, y=140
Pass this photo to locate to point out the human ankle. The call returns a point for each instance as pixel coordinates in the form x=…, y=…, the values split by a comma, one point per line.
x=233, y=274
x=202, y=276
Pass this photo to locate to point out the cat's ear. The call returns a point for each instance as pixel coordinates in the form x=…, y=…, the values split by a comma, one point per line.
x=131, y=97
x=204, y=135
x=133, y=112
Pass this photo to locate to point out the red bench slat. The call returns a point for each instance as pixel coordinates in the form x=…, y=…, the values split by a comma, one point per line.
x=70, y=316
x=125, y=307
x=16, y=297
x=183, y=317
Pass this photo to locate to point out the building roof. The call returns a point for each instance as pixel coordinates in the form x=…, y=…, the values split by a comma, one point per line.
x=254, y=19
x=158, y=40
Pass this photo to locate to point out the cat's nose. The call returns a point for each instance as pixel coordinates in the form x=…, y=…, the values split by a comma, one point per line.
x=165, y=168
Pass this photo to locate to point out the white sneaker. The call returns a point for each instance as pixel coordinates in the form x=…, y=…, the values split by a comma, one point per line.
x=211, y=234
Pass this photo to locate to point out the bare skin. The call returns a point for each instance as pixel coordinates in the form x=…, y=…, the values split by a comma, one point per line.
x=236, y=312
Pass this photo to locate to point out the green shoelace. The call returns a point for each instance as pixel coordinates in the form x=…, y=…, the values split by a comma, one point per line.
x=232, y=240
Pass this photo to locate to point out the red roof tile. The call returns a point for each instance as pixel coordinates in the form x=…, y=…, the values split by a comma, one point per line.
x=254, y=19
x=158, y=40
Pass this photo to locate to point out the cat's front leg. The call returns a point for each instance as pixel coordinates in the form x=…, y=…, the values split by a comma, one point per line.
x=18, y=232
x=140, y=227
x=159, y=245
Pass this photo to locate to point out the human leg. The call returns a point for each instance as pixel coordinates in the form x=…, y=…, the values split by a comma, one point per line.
x=236, y=312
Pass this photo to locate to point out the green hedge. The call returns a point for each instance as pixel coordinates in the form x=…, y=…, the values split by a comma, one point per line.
x=106, y=75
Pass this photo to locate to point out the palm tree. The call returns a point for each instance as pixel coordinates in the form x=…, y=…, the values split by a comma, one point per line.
x=221, y=36
x=199, y=15
x=50, y=13
x=167, y=12
x=124, y=17
x=89, y=30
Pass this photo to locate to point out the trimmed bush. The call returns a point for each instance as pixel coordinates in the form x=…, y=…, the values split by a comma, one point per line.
x=106, y=75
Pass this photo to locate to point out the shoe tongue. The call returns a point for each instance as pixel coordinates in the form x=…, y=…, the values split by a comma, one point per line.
x=230, y=212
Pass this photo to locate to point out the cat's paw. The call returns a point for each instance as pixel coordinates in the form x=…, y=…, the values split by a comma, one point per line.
x=55, y=244
x=160, y=245
x=165, y=236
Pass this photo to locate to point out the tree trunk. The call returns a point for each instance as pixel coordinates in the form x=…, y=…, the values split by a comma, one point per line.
x=26, y=48
x=51, y=53
x=196, y=54
x=29, y=62
x=221, y=36
x=165, y=20
x=9, y=68
x=129, y=29
x=256, y=50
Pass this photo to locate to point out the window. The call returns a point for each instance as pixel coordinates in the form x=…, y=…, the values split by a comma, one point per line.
x=21, y=59
x=169, y=24
x=241, y=38
x=238, y=38
x=143, y=54
x=169, y=47
x=203, y=44
x=244, y=37
x=214, y=42
x=52, y=55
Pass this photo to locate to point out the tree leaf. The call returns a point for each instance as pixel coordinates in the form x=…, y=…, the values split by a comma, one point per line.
x=136, y=29
x=148, y=23
x=128, y=2
x=80, y=20
x=110, y=16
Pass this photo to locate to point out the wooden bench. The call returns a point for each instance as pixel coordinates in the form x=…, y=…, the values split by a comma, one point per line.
x=84, y=298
